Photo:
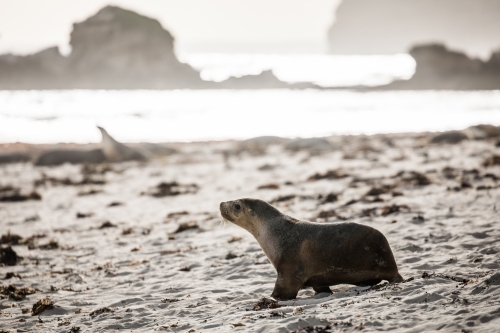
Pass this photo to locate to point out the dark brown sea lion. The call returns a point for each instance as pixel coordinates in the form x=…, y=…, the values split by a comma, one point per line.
x=317, y=255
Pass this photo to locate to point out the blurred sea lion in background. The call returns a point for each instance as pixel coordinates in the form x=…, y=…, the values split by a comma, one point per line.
x=73, y=156
x=110, y=151
x=6, y=158
x=309, y=144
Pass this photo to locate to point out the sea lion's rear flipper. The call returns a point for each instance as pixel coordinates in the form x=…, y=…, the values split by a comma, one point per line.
x=397, y=279
x=368, y=283
x=118, y=152
x=319, y=290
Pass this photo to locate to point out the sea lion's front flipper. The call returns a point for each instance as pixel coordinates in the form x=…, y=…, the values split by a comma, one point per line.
x=286, y=288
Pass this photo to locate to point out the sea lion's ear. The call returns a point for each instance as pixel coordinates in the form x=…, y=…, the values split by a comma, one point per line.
x=251, y=212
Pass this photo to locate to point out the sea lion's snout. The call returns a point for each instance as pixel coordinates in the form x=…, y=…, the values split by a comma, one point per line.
x=224, y=210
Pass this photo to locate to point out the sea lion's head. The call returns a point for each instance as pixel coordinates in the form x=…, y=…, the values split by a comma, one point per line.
x=250, y=214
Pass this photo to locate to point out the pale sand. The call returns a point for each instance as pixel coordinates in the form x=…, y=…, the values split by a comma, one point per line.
x=146, y=291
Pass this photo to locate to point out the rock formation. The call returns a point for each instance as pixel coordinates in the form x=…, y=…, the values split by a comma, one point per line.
x=117, y=49
x=393, y=26
x=440, y=68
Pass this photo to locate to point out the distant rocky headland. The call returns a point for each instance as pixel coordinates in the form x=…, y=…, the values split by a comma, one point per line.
x=118, y=49
x=394, y=26
x=439, y=68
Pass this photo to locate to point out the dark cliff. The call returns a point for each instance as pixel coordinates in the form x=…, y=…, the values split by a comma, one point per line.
x=117, y=49
x=393, y=26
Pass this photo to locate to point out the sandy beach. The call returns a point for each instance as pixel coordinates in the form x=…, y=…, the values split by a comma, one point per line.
x=141, y=247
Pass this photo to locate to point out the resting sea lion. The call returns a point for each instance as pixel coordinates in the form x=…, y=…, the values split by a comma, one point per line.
x=307, y=254
x=73, y=156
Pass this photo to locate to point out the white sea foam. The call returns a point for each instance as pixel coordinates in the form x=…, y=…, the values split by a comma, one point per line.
x=184, y=115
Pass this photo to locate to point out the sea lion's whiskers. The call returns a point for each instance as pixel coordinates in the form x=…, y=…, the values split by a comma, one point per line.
x=222, y=221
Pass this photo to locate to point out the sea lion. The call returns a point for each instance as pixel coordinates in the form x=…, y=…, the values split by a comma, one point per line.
x=73, y=156
x=309, y=144
x=6, y=158
x=318, y=255
x=116, y=151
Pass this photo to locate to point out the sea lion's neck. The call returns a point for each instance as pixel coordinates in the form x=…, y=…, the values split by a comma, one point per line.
x=271, y=236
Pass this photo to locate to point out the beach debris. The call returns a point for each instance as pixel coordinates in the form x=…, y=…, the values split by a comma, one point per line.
x=185, y=269
x=239, y=324
x=485, y=188
x=315, y=329
x=266, y=303
x=127, y=231
x=376, y=191
x=267, y=167
x=388, y=210
x=91, y=191
x=412, y=178
x=100, y=311
x=170, y=300
x=177, y=214
x=75, y=329
x=164, y=252
x=64, y=322
x=191, y=225
x=369, y=212
x=491, y=161
x=418, y=219
x=32, y=218
x=115, y=204
x=271, y=186
x=284, y=198
x=330, y=175
x=325, y=214
x=15, y=293
x=51, y=245
x=10, y=275
x=234, y=239
x=86, y=180
x=165, y=189
x=83, y=215
x=230, y=256
x=41, y=306
x=10, y=239
x=8, y=256
x=13, y=194
x=329, y=198
x=96, y=169
x=107, y=224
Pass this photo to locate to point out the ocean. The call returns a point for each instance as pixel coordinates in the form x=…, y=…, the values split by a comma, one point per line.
x=193, y=115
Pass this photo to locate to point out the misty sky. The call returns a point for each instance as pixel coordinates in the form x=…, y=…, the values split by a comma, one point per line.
x=273, y=26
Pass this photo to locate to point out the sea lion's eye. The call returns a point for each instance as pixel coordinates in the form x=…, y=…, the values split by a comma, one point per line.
x=237, y=206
